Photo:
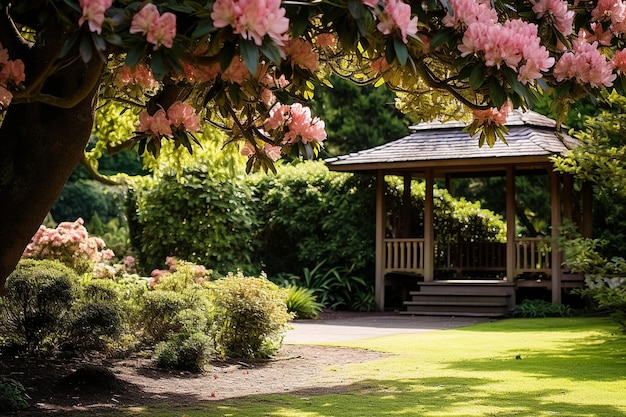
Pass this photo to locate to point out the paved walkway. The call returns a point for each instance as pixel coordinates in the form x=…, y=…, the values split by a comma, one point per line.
x=352, y=326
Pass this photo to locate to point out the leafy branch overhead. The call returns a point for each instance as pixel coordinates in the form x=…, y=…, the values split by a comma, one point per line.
x=248, y=66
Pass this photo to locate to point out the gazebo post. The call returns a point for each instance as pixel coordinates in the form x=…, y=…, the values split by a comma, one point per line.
x=379, y=279
x=555, y=203
x=510, y=224
x=429, y=227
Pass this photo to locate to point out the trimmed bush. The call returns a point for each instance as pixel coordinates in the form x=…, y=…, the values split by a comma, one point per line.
x=250, y=317
x=185, y=352
x=35, y=310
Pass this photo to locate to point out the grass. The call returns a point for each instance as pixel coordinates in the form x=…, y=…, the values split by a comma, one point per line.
x=517, y=367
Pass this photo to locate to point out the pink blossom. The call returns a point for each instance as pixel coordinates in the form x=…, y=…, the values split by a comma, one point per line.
x=466, y=12
x=603, y=37
x=248, y=149
x=303, y=127
x=325, y=39
x=157, y=124
x=586, y=65
x=145, y=19
x=558, y=13
x=619, y=60
x=236, y=72
x=273, y=152
x=93, y=13
x=140, y=75
x=159, y=29
x=370, y=3
x=252, y=19
x=397, y=15
x=164, y=32
x=493, y=115
x=604, y=9
x=5, y=97
x=182, y=114
x=301, y=54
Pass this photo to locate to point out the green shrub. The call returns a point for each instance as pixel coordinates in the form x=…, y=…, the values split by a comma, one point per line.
x=250, y=317
x=364, y=300
x=92, y=325
x=12, y=395
x=611, y=298
x=35, y=310
x=540, y=308
x=205, y=219
x=302, y=303
x=182, y=351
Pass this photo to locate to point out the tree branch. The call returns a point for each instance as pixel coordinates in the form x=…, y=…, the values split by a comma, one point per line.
x=96, y=175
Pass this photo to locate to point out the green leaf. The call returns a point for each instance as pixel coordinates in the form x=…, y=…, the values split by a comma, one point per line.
x=250, y=54
x=271, y=51
x=402, y=53
x=390, y=53
x=496, y=92
x=227, y=53
x=86, y=48
x=159, y=68
x=441, y=38
x=357, y=9
x=477, y=76
x=135, y=54
x=204, y=27
x=69, y=44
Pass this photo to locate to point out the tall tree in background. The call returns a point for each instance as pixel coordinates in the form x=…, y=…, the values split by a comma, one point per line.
x=358, y=117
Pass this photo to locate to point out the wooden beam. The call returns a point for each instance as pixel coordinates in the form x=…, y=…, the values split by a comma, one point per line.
x=379, y=279
x=429, y=228
x=510, y=224
x=555, y=205
x=586, y=229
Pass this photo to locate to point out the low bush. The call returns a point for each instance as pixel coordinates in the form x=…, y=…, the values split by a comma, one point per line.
x=302, y=303
x=250, y=317
x=12, y=395
x=539, y=308
x=36, y=308
x=183, y=351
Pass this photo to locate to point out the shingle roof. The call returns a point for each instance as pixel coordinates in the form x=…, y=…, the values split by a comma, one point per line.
x=531, y=136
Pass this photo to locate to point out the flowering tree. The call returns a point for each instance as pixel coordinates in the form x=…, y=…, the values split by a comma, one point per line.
x=248, y=65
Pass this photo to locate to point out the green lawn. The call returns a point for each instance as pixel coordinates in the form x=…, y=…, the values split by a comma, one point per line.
x=518, y=367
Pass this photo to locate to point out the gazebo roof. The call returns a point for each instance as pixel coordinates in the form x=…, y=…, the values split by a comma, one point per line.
x=531, y=140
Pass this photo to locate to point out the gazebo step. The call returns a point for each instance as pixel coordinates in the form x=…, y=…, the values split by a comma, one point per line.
x=458, y=314
x=470, y=304
x=444, y=295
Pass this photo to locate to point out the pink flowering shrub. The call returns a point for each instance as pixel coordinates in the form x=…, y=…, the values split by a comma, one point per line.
x=11, y=76
x=179, y=275
x=70, y=244
x=585, y=64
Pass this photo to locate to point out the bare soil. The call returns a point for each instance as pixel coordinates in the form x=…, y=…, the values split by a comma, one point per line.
x=56, y=388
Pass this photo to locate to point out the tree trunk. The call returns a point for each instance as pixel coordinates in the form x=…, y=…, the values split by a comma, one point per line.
x=40, y=145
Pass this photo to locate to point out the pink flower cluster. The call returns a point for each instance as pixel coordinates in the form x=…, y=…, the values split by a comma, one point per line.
x=273, y=152
x=493, y=115
x=301, y=54
x=140, y=75
x=396, y=15
x=93, y=13
x=297, y=123
x=180, y=115
x=11, y=74
x=252, y=19
x=68, y=243
x=613, y=11
x=198, y=273
x=585, y=64
x=558, y=12
x=159, y=29
x=515, y=43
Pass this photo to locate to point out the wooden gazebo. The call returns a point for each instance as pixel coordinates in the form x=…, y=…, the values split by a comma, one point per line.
x=441, y=150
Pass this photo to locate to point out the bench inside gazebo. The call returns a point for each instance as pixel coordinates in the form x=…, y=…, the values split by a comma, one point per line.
x=477, y=278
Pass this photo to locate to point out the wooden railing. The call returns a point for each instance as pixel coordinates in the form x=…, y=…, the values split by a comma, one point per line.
x=533, y=255
x=404, y=255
